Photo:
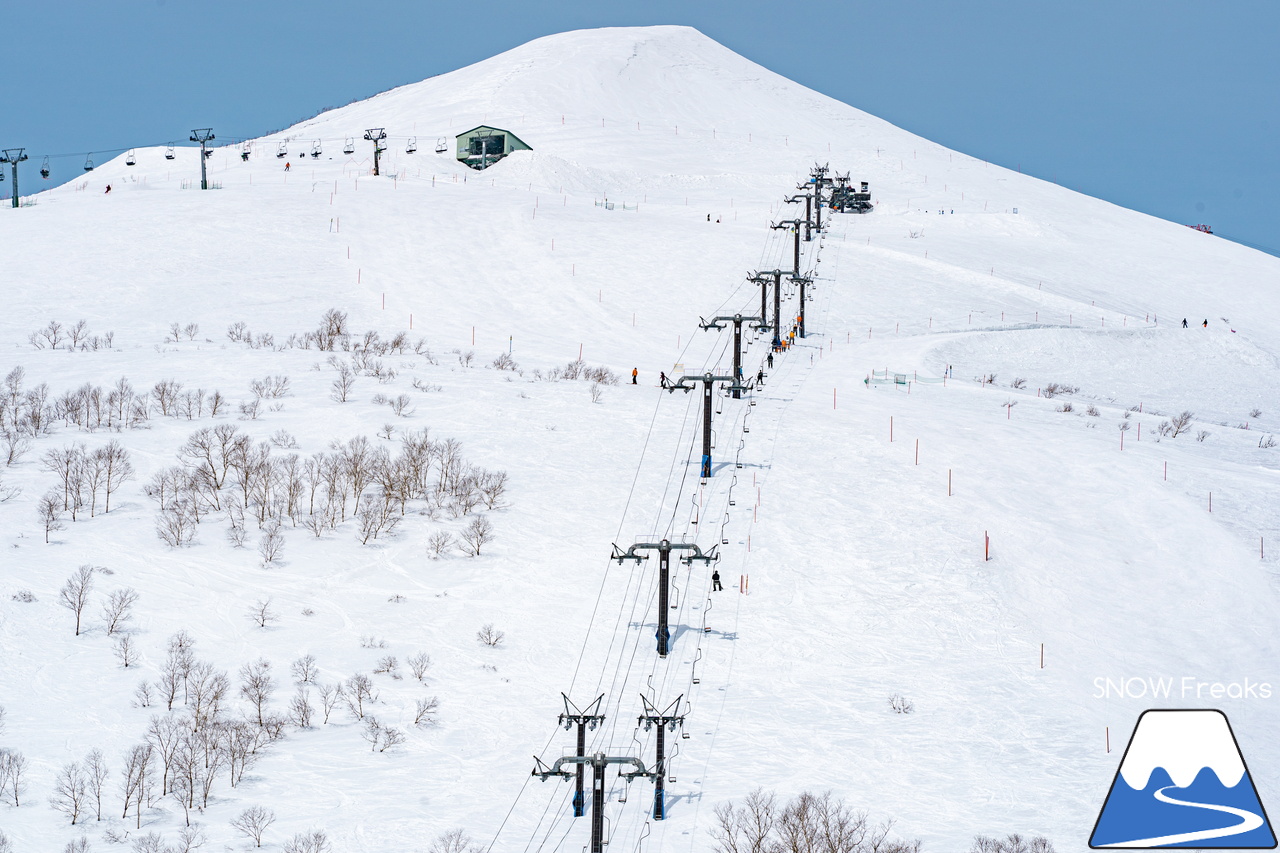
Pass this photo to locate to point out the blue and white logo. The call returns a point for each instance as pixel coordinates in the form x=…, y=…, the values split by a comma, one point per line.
x=1183, y=783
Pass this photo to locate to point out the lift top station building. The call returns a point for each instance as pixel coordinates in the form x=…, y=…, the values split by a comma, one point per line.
x=481, y=147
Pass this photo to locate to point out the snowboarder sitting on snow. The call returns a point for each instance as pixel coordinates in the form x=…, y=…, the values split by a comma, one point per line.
x=715, y=581
x=108, y=189
x=1206, y=324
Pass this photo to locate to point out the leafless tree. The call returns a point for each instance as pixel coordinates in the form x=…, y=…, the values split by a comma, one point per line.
x=74, y=594
x=136, y=779
x=6, y=846
x=13, y=775
x=300, y=709
x=475, y=536
x=419, y=663
x=253, y=822
x=165, y=392
x=207, y=688
x=489, y=636
x=95, y=774
x=125, y=651
x=493, y=486
x=257, y=685
x=1180, y=423
x=142, y=697
x=190, y=839
x=387, y=665
x=439, y=542
x=117, y=611
x=262, y=614
x=359, y=693
x=176, y=524
x=391, y=737
x=376, y=515
x=314, y=841
x=425, y=712
x=79, y=845
x=304, y=669
x=457, y=841
x=344, y=384
x=49, y=510
x=70, y=792
x=117, y=469
x=271, y=546
x=330, y=695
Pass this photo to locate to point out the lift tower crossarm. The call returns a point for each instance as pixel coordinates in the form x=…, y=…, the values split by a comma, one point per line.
x=664, y=549
x=737, y=320
x=808, y=210
x=598, y=762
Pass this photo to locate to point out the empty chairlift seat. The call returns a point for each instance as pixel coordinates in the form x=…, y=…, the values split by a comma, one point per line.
x=349, y=147
x=282, y=151
x=412, y=146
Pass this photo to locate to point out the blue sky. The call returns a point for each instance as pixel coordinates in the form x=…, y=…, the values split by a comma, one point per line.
x=1170, y=107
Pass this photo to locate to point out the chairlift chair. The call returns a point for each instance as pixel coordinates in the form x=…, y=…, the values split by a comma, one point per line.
x=44, y=169
x=168, y=152
x=442, y=145
x=315, y=150
x=208, y=152
x=88, y=163
x=282, y=151
x=349, y=147
x=412, y=146
x=130, y=159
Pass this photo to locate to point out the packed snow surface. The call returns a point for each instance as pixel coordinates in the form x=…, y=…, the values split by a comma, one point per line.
x=851, y=516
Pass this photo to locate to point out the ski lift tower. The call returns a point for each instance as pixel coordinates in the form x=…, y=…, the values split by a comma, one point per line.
x=202, y=135
x=737, y=320
x=664, y=720
x=664, y=549
x=376, y=135
x=14, y=156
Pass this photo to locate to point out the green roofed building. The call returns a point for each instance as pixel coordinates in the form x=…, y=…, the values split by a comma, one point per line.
x=481, y=147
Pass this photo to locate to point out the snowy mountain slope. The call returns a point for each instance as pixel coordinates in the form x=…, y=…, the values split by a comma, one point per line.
x=866, y=579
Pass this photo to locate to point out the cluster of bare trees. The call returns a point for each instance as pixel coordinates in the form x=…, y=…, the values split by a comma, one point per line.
x=13, y=776
x=24, y=414
x=78, y=788
x=117, y=610
x=71, y=337
x=1011, y=844
x=83, y=478
x=190, y=747
x=332, y=334
x=810, y=823
x=223, y=470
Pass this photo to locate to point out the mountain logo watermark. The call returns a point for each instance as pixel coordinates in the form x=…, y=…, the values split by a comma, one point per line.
x=1183, y=783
